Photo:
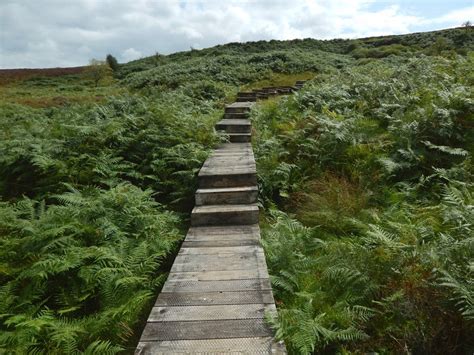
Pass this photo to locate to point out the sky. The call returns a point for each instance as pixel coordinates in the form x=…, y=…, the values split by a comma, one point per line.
x=64, y=33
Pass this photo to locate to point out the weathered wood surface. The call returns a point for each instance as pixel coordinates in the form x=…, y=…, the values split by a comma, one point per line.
x=255, y=345
x=228, y=195
x=200, y=329
x=214, y=298
x=218, y=291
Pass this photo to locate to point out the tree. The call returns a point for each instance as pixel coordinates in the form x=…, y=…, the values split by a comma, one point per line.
x=112, y=62
x=98, y=70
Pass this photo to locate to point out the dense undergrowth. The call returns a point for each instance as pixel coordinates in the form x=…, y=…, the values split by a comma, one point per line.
x=372, y=165
x=370, y=168
x=93, y=206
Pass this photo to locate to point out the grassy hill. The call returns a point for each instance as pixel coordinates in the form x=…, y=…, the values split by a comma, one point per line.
x=365, y=178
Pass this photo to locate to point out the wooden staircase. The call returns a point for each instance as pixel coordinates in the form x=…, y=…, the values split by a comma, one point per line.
x=218, y=290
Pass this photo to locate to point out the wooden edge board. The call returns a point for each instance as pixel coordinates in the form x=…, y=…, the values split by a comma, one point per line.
x=253, y=345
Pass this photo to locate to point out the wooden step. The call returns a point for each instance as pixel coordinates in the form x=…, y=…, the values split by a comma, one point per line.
x=229, y=159
x=230, y=165
x=218, y=289
x=209, y=313
x=239, y=137
x=236, y=285
x=193, y=330
x=247, y=94
x=221, y=262
x=225, y=177
x=238, y=107
x=246, y=99
x=224, y=215
x=242, y=116
x=251, y=345
x=285, y=90
x=222, y=233
x=184, y=298
x=235, y=231
x=261, y=94
x=269, y=88
x=227, y=195
x=233, y=147
x=234, y=125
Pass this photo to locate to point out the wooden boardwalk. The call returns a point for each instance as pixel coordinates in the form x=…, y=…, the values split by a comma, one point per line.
x=218, y=291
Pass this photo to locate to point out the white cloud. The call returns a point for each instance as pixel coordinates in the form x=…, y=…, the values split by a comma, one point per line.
x=383, y=22
x=131, y=54
x=62, y=33
x=454, y=17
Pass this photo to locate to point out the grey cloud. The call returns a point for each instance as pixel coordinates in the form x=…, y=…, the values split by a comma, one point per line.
x=48, y=33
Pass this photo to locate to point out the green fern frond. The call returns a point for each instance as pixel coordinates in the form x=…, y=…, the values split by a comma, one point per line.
x=446, y=149
x=105, y=347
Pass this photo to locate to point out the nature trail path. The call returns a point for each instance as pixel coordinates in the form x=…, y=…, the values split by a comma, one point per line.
x=218, y=290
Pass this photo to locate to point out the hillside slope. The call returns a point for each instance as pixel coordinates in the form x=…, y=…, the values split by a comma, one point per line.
x=365, y=177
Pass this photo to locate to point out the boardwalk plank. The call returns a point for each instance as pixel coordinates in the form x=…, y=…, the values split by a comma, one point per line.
x=218, y=290
x=219, y=250
x=219, y=275
x=220, y=243
x=223, y=262
x=207, y=313
x=254, y=346
x=219, y=285
x=241, y=230
x=220, y=329
x=214, y=298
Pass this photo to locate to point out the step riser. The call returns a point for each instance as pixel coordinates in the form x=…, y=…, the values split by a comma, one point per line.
x=225, y=218
x=240, y=139
x=233, y=128
x=237, y=110
x=246, y=99
x=236, y=116
x=234, y=180
x=220, y=198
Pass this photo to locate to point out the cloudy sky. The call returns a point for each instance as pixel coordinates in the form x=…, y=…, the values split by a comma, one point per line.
x=50, y=33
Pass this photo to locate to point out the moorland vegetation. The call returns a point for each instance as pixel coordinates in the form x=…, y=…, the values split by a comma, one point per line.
x=365, y=180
